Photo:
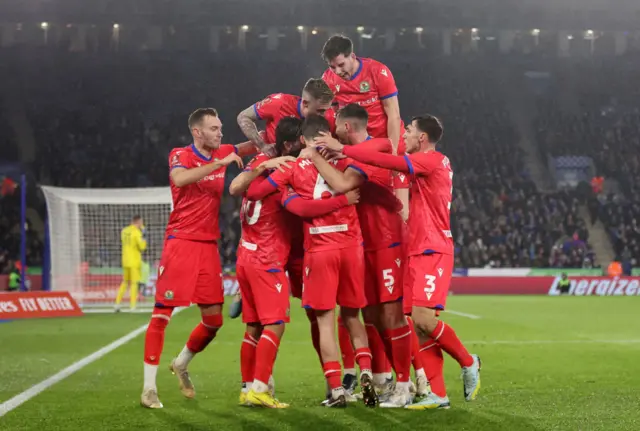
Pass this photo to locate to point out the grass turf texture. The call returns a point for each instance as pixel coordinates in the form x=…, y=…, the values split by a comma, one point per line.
x=549, y=363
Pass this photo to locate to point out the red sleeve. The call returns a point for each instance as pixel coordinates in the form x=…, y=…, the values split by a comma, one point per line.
x=385, y=82
x=226, y=149
x=310, y=208
x=425, y=163
x=381, y=145
x=387, y=161
x=255, y=162
x=178, y=158
x=268, y=108
x=258, y=191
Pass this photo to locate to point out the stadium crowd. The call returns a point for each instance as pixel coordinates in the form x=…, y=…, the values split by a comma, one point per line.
x=110, y=121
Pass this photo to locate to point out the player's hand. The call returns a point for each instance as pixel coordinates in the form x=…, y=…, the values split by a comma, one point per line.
x=280, y=163
x=330, y=155
x=326, y=140
x=232, y=158
x=353, y=196
x=306, y=153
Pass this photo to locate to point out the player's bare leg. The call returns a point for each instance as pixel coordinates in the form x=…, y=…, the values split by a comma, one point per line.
x=380, y=364
x=429, y=329
x=351, y=319
x=331, y=358
x=248, y=359
x=153, y=345
x=423, y=381
x=199, y=339
x=315, y=333
x=260, y=395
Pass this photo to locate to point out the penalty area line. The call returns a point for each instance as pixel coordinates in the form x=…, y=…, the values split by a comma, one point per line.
x=38, y=388
x=467, y=315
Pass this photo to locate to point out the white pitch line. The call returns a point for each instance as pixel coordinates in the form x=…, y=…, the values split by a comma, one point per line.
x=37, y=389
x=534, y=342
x=467, y=315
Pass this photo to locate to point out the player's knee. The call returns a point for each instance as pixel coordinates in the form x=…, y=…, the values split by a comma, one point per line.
x=276, y=327
x=254, y=330
x=212, y=321
x=160, y=318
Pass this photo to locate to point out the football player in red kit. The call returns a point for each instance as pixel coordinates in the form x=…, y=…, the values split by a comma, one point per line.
x=430, y=250
x=382, y=230
x=371, y=85
x=262, y=254
x=316, y=99
x=333, y=267
x=189, y=270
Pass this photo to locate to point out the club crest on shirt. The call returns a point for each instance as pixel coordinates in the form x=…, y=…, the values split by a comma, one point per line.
x=168, y=294
x=364, y=87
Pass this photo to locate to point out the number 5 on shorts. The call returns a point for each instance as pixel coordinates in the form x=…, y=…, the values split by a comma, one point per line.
x=389, y=281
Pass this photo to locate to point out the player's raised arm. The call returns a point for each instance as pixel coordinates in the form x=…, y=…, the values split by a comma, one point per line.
x=341, y=182
x=241, y=183
x=310, y=208
x=247, y=121
x=276, y=180
x=244, y=149
x=182, y=176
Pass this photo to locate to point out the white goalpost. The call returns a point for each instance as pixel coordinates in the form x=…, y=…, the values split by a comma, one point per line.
x=84, y=232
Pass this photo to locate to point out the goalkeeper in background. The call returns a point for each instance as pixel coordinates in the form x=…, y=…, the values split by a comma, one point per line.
x=133, y=244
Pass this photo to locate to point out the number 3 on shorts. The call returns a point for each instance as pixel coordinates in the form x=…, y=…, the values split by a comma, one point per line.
x=431, y=285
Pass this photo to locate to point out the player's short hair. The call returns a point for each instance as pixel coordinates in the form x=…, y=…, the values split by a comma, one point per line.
x=335, y=46
x=313, y=125
x=319, y=90
x=287, y=130
x=430, y=125
x=198, y=115
x=136, y=218
x=353, y=111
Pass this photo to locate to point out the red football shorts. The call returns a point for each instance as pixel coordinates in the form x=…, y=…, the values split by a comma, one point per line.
x=189, y=273
x=383, y=275
x=265, y=295
x=334, y=277
x=294, y=269
x=430, y=277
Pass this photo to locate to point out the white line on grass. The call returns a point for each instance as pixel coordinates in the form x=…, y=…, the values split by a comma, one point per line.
x=37, y=389
x=523, y=342
x=467, y=315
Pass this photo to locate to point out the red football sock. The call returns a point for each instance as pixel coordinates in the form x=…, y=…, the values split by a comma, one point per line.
x=266, y=355
x=333, y=374
x=450, y=343
x=433, y=361
x=154, y=337
x=346, y=348
x=400, y=340
x=380, y=362
x=363, y=357
x=415, y=347
x=248, y=357
x=204, y=333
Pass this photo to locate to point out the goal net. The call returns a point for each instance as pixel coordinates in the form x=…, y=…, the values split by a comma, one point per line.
x=84, y=230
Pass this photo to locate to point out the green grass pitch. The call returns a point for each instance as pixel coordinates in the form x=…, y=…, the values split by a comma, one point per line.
x=549, y=363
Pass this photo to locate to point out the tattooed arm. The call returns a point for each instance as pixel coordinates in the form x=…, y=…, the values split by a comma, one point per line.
x=247, y=122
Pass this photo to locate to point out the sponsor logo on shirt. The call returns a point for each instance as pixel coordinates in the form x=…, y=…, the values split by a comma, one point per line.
x=398, y=262
x=364, y=87
x=279, y=287
x=384, y=72
x=212, y=177
x=249, y=245
x=337, y=88
x=328, y=229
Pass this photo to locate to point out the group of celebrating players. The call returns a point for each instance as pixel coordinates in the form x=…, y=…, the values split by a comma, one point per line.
x=352, y=221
